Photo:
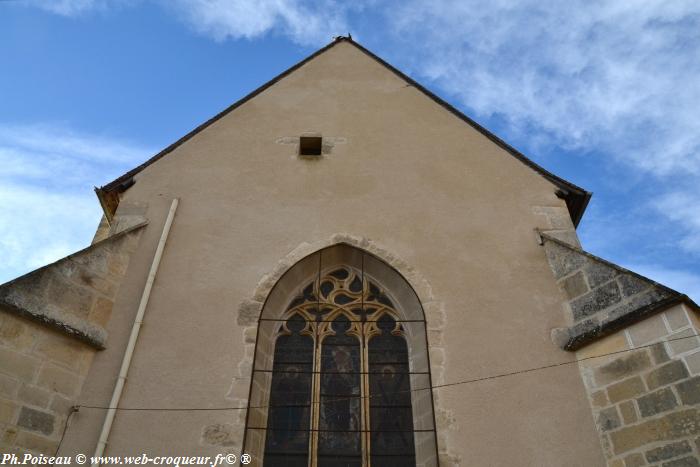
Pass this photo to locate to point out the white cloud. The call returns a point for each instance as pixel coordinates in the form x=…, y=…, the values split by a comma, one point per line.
x=619, y=81
x=38, y=226
x=619, y=77
x=47, y=206
x=59, y=140
x=304, y=22
x=75, y=7
x=683, y=207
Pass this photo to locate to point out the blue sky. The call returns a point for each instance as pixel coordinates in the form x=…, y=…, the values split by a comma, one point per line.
x=602, y=93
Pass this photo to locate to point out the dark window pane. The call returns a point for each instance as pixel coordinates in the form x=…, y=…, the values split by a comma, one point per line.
x=391, y=415
x=389, y=388
x=309, y=293
x=287, y=440
x=393, y=461
x=340, y=437
x=356, y=285
x=326, y=288
x=384, y=300
x=342, y=299
x=339, y=460
x=340, y=274
x=286, y=460
x=296, y=302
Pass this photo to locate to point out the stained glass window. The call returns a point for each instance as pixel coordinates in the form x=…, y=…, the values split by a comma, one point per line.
x=339, y=440
x=340, y=385
x=391, y=418
x=287, y=441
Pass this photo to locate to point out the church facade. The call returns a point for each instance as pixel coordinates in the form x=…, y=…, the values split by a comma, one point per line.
x=341, y=269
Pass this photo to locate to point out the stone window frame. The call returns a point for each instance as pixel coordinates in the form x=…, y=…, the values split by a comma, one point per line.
x=410, y=310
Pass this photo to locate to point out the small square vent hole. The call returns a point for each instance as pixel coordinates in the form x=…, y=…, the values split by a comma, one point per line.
x=310, y=146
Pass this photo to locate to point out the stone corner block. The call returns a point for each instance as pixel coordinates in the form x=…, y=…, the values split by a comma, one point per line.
x=35, y=420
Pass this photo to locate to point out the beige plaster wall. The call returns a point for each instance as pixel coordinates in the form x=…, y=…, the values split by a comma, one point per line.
x=404, y=177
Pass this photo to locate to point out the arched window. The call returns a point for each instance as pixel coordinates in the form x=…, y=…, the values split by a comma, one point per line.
x=341, y=375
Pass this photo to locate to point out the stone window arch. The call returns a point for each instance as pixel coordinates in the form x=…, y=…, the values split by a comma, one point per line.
x=341, y=374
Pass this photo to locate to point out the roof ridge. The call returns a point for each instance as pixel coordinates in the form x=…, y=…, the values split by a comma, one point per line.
x=576, y=197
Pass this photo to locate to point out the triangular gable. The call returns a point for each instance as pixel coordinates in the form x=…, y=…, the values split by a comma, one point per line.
x=75, y=294
x=602, y=297
x=576, y=198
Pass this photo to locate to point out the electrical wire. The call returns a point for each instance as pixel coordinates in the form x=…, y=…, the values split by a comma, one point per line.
x=73, y=410
x=437, y=386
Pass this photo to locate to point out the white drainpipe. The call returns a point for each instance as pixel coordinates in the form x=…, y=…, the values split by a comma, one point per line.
x=129, y=352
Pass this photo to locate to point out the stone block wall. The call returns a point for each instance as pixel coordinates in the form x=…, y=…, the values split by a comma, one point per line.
x=41, y=374
x=74, y=295
x=600, y=297
x=51, y=325
x=638, y=349
x=645, y=397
